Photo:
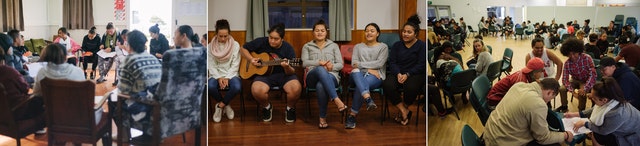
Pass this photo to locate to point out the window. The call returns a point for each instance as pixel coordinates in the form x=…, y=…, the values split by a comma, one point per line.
x=495, y=11
x=298, y=13
x=439, y=12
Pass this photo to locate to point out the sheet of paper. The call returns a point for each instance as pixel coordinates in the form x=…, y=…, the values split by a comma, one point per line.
x=570, y=122
x=104, y=54
x=35, y=67
x=114, y=95
x=98, y=101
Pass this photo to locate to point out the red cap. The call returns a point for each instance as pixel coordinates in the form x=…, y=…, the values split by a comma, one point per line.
x=533, y=64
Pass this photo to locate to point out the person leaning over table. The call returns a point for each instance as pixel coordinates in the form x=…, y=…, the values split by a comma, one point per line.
x=613, y=120
x=514, y=123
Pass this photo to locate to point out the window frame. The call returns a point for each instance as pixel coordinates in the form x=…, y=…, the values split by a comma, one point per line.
x=303, y=4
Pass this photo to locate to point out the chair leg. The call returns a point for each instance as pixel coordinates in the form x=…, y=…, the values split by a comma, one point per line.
x=184, y=137
x=306, y=91
x=198, y=135
x=453, y=105
x=242, y=106
x=211, y=105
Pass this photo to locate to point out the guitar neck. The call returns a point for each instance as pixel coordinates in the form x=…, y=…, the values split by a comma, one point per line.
x=272, y=62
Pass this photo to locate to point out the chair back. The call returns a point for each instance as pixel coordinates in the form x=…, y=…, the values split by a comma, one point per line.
x=480, y=88
x=389, y=38
x=7, y=123
x=69, y=106
x=519, y=31
x=180, y=89
x=470, y=28
x=469, y=137
x=490, y=49
x=461, y=81
x=347, y=52
x=564, y=36
x=506, y=59
x=494, y=70
x=11, y=127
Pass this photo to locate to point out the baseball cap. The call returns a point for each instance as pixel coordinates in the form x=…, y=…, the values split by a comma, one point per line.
x=533, y=64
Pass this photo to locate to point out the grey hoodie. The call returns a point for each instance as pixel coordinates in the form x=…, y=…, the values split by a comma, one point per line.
x=57, y=71
x=311, y=54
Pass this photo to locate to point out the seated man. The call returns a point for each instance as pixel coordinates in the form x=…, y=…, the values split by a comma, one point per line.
x=19, y=54
x=515, y=123
x=629, y=82
x=582, y=71
x=17, y=92
x=140, y=72
x=283, y=76
x=630, y=52
x=532, y=72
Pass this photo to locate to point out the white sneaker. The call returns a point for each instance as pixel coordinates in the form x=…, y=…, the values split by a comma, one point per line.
x=41, y=131
x=217, y=115
x=228, y=111
x=138, y=116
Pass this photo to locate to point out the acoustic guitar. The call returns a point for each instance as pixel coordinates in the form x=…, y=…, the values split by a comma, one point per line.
x=267, y=61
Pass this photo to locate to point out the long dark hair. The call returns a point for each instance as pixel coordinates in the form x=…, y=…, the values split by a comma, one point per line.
x=187, y=30
x=608, y=88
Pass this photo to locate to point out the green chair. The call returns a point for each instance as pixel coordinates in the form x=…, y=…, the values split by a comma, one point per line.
x=460, y=83
x=554, y=120
x=479, y=90
x=389, y=38
x=469, y=137
x=490, y=49
x=519, y=31
x=506, y=61
x=494, y=70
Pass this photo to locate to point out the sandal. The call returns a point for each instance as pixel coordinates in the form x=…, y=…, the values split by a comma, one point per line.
x=406, y=121
x=323, y=125
x=398, y=117
x=342, y=109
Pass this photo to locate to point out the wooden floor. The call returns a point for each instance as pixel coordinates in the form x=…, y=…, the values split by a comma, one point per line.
x=305, y=132
x=447, y=131
x=101, y=89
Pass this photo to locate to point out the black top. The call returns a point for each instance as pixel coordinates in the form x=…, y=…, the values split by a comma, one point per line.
x=603, y=46
x=410, y=60
x=159, y=45
x=91, y=45
x=104, y=39
x=592, y=49
x=261, y=45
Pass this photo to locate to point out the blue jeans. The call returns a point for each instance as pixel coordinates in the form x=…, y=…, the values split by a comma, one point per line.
x=325, y=84
x=234, y=88
x=363, y=82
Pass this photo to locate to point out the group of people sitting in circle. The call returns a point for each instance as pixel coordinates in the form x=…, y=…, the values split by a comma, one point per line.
x=137, y=71
x=590, y=72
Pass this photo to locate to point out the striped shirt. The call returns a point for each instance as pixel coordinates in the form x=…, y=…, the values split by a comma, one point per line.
x=582, y=69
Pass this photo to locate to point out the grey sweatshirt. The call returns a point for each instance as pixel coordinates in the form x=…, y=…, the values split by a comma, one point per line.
x=311, y=55
x=371, y=57
x=57, y=71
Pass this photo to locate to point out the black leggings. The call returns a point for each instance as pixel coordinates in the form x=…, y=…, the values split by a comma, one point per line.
x=94, y=62
x=411, y=88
